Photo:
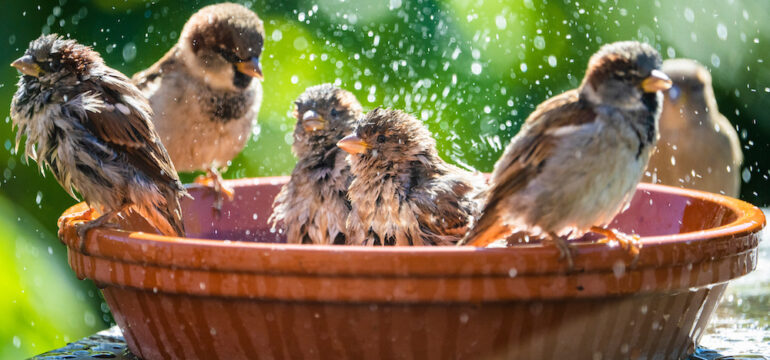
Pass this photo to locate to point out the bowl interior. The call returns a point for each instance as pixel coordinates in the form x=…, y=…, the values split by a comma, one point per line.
x=654, y=211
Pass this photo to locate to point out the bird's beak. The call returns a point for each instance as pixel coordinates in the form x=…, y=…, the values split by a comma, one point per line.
x=26, y=64
x=250, y=67
x=312, y=121
x=353, y=144
x=657, y=81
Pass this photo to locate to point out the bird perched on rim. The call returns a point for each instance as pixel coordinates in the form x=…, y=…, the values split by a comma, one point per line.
x=402, y=192
x=92, y=129
x=698, y=147
x=577, y=159
x=313, y=205
x=203, y=90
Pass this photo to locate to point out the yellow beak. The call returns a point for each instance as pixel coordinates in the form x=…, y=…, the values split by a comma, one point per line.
x=26, y=64
x=657, y=81
x=251, y=68
x=312, y=121
x=353, y=145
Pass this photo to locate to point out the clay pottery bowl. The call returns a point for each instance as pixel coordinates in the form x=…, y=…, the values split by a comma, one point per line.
x=233, y=290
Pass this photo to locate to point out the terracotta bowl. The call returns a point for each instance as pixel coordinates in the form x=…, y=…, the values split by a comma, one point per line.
x=206, y=297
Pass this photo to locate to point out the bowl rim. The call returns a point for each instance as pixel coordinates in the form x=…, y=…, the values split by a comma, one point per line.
x=730, y=240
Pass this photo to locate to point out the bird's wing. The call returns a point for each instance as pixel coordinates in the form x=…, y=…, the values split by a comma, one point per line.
x=124, y=121
x=526, y=156
x=121, y=118
x=445, y=206
x=144, y=78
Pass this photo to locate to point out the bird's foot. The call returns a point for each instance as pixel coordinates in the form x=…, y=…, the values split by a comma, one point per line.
x=566, y=250
x=78, y=217
x=213, y=179
x=631, y=243
x=83, y=228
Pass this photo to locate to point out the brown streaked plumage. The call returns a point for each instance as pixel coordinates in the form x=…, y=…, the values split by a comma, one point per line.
x=698, y=147
x=578, y=158
x=312, y=207
x=203, y=90
x=92, y=128
x=402, y=192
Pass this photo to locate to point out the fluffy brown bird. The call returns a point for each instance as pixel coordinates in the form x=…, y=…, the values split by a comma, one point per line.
x=578, y=158
x=91, y=127
x=313, y=206
x=698, y=147
x=203, y=90
x=402, y=192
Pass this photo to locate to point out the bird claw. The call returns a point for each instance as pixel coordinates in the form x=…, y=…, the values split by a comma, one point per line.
x=631, y=243
x=84, y=227
x=78, y=217
x=566, y=250
x=213, y=179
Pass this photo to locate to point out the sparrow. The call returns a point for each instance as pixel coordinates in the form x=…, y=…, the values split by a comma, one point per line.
x=402, y=192
x=92, y=129
x=577, y=159
x=313, y=206
x=204, y=93
x=698, y=147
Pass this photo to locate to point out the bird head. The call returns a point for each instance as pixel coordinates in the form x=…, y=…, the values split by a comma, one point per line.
x=625, y=75
x=324, y=114
x=222, y=44
x=691, y=83
x=51, y=57
x=389, y=137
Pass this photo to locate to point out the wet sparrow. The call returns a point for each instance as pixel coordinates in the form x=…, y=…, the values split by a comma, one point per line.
x=402, y=192
x=698, y=147
x=203, y=93
x=576, y=161
x=91, y=127
x=313, y=206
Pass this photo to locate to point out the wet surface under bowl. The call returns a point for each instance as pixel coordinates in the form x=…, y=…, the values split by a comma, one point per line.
x=187, y=298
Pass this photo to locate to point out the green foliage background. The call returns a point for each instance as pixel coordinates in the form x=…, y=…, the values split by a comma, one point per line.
x=472, y=70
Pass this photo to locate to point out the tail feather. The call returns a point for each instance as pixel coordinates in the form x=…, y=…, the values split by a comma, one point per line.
x=487, y=230
x=167, y=218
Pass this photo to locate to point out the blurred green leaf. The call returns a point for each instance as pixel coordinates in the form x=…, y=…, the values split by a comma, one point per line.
x=42, y=305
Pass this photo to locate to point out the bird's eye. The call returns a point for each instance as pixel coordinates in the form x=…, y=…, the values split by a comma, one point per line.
x=334, y=112
x=381, y=139
x=227, y=55
x=55, y=64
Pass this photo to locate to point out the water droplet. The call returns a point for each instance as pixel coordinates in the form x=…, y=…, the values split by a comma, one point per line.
x=476, y=68
x=722, y=31
x=300, y=43
x=746, y=175
x=500, y=22
x=539, y=42
x=552, y=61
x=689, y=15
x=129, y=52
x=277, y=35
x=715, y=60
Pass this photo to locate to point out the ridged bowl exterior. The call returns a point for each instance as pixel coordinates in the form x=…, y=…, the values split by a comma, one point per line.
x=198, y=298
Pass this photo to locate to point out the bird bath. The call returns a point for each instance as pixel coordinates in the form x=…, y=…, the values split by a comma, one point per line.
x=209, y=296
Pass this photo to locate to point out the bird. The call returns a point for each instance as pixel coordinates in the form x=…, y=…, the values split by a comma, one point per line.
x=204, y=92
x=402, y=192
x=698, y=147
x=313, y=205
x=578, y=158
x=91, y=127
